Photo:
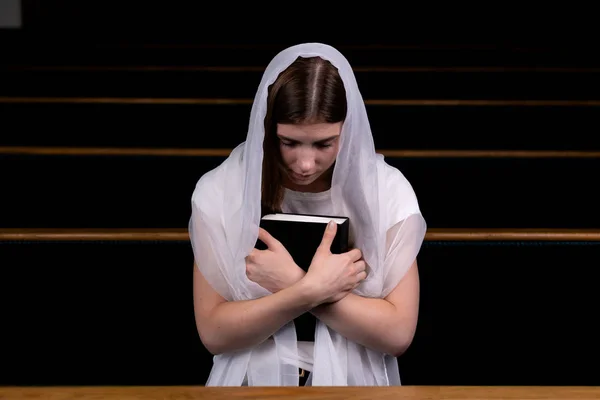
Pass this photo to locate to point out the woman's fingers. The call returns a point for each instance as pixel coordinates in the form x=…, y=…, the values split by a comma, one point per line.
x=267, y=239
x=355, y=255
x=360, y=266
x=361, y=276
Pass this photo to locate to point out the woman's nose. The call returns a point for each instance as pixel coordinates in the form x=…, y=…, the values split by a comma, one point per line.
x=306, y=161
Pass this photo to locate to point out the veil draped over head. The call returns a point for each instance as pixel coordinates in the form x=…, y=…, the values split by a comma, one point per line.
x=386, y=225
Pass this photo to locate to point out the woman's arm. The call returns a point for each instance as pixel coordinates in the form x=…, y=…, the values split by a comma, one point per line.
x=387, y=325
x=229, y=326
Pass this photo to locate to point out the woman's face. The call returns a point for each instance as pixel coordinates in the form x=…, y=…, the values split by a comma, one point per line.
x=308, y=151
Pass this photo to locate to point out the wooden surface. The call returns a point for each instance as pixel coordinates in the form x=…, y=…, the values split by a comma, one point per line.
x=369, y=102
x=180, y=152
x=350, y=393
x=181, y=234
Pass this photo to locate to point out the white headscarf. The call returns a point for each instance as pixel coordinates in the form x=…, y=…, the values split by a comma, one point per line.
x=226, y=212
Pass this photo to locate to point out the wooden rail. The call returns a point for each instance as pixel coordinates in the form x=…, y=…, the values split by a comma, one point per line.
x=196, y=152
x=236, y=101
x=181, y=234
x=305, y=393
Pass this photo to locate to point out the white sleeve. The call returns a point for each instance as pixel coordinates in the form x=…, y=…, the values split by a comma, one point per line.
x=406, y=228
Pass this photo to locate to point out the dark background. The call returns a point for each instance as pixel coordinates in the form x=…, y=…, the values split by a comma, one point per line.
x=120, y=312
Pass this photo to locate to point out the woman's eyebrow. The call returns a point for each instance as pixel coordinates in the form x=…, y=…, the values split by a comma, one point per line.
x=327, y=139
x=297, y=141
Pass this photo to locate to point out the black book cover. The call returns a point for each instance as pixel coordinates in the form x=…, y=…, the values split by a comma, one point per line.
x=301, y=235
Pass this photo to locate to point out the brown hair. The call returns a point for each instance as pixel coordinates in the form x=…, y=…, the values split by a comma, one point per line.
x=310, y=90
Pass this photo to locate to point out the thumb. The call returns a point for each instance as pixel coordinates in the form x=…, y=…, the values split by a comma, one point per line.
x=267, y=239
x=328, y=237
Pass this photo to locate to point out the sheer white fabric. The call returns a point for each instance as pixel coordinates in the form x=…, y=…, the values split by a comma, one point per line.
x=386, y=224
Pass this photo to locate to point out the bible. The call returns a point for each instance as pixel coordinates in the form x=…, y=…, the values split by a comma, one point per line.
x=301, y=235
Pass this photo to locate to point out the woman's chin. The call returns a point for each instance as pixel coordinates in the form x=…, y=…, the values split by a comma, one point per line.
x=303, y=181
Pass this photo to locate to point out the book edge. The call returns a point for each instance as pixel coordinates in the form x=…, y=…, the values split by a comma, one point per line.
x=321, y=219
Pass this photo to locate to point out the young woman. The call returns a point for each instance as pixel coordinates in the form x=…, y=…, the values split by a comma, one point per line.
x=309, y=150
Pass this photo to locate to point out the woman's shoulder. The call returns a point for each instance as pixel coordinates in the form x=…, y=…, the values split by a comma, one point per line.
x=395, y=191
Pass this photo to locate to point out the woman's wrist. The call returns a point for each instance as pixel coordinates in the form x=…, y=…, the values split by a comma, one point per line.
x=309, y=292
x=298, y=274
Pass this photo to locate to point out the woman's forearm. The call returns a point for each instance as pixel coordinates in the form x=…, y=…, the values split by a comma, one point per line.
x=374, y=323
x=238, y=325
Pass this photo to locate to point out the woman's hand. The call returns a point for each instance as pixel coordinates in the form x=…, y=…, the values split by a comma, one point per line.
x=331, y=277
x=274, y=268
